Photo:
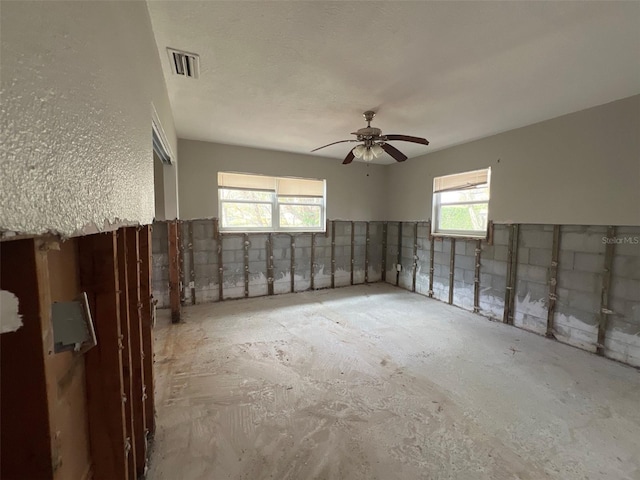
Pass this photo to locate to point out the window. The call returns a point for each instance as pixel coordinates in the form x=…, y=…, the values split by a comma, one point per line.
x=461, y=203
x=271, y=204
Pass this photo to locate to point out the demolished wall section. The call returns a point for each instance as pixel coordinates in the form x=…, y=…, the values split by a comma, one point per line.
x=360, y=252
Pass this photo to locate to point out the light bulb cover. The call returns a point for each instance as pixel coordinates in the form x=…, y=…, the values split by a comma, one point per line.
x=377, y=150
x=368, y=155
x=359, y=151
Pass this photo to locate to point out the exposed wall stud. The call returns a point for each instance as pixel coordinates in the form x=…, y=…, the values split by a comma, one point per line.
x=220, y=268
x=137, y=349
x=147, y=319
x=174, y=271
x=269, y=264
x=399, y=256
x=333, y=254
x=312, y=273
x=553, y=281
x=246, y=244
x=452, y=269
x=366, y=254
x=384, y=252
x=98, y=264
x=512, y=261
x=606, y=285
x=353, y=248
x=415, y=257
x=125, y=346
x=181, y=256
x=293, y=263
x=476, y=277
x=192, y=267
x=431, y=263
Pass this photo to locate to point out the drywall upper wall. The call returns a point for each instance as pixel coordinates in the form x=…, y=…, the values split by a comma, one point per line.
x=78, y=83
x=351, y=194
x=582, y=168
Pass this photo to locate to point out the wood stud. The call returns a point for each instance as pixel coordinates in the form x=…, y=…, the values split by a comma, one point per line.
x=366, y=254
x=353, y=248
x=476, y=277
x=606, y=285
x=399, y=256
x=293, y=263
x=245, y=246
x=452, y=269
x=269, y=264
x=553, y=281
x=192, y=267
x=384, y=252
x=98, y=264
x=333, y=254
x=174, y=271
x=431, y=266
x=312, y=273
x=147, y=319
x=512, y=261
x=415, y=257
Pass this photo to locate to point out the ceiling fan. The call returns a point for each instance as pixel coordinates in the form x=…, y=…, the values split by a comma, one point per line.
x=374, y=143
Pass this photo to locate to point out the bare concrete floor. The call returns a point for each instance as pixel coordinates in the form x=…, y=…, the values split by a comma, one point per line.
x=373, y=382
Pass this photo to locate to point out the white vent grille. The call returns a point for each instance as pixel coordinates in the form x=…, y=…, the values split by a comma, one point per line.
x=184, y=64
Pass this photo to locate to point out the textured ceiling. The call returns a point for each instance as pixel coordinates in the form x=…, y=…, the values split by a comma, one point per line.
x=296, y=75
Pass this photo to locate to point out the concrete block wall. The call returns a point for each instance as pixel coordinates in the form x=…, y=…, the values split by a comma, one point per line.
x=407, y=260
x=342, y=253
x=464, y=273
x=493, y=273
x=160, y=264
x=424, y=258
x=441, y=263
x=322, y=252
x=393, y=248
x=359, y=251
x=533, y=275
x=580, y=272
x=376, y=230
x=622, y=341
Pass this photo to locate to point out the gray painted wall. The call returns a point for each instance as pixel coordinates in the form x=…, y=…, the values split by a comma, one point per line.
x=578, y=169
x=351, y=194
x=78, y=82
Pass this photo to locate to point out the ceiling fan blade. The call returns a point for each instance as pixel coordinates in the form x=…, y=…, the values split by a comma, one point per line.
x=329, y=144
x=394, y=152
x=407, y=138
x=349, y=158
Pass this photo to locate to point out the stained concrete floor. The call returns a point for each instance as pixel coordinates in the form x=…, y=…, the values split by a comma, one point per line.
x=373, y=382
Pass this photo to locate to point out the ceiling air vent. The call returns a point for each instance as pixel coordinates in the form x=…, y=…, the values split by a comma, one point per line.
x=184, y=64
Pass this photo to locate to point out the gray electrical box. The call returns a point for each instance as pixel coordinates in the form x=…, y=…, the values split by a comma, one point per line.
x=73, y=326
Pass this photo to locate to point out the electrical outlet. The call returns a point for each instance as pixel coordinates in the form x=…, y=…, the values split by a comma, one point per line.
x=192, y=284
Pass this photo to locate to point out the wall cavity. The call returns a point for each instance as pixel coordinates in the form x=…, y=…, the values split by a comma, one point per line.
x=557, y=294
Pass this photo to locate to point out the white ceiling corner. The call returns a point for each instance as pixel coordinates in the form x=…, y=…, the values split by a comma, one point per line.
x=294, y=75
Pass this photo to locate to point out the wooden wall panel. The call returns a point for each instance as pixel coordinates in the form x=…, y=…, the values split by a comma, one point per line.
x=25, y=440
x=147, y=326
x=105, y=386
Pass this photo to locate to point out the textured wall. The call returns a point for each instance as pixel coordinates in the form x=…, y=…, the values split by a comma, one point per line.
x=78, y=81
x=586, y=163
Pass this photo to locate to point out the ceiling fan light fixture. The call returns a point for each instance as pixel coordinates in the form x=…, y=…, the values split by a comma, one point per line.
x=359, y=151
x=377, y=150
x=368, y=155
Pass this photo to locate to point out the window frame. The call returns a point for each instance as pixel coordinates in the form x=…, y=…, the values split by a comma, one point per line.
x=437, y=206
x=275, y=203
